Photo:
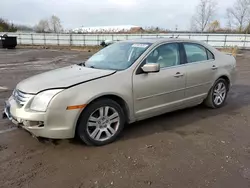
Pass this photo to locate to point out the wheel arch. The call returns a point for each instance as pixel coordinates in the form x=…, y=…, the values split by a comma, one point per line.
x=226, y=78
x=117, y=99
x=113, y=97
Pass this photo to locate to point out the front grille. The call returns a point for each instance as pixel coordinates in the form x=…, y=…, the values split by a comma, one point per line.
x=21, y=97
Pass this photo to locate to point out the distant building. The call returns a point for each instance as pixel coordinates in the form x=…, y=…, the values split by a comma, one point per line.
x=109, y=29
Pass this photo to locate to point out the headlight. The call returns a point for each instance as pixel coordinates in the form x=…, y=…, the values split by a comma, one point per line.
x=41, y=100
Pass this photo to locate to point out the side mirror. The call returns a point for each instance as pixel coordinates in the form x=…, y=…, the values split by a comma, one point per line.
x=151, y=67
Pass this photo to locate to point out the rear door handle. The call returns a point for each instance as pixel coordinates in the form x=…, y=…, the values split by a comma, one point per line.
x=178, y=74
x=214, y=67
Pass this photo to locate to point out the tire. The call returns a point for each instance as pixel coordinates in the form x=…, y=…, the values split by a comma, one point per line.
x=94, y=124
x=210, y=101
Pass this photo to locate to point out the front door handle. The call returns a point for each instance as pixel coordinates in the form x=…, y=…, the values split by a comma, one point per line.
x=178, y=74
x=214, y=67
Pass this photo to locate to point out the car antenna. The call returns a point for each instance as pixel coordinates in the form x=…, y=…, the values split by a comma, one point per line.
x=177, y=36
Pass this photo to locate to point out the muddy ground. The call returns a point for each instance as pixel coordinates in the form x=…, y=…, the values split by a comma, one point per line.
x=196, y=147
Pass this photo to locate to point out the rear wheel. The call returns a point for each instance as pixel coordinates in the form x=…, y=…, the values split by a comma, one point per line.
x=217, y=95
x=101, y=123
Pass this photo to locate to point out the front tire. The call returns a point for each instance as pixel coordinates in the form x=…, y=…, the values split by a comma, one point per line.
x=217, y=95
x=101, y=123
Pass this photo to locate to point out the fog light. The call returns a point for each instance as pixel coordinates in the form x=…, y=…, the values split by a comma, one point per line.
x=33, y=123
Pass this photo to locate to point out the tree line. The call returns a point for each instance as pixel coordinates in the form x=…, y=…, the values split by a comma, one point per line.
x=50, y=25
x=6, y=26
x=204, y=20
x=237, y=16
x=47, y=25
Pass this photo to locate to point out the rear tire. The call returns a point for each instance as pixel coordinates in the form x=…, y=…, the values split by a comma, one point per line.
x=218, y=94
x=101, y=123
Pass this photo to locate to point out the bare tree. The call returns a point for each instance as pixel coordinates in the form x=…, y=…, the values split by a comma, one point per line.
x=204, y=14
x=42, y=26
x=193, y=25
x=6, y=26
x=55, y=24
x=238, y=15
x=214, y=26
x=229, y=21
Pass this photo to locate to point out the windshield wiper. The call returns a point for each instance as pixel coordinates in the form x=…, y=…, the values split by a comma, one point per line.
x=81, y=64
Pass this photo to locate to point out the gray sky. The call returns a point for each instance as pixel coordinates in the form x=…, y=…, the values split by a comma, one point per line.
x=76, y=13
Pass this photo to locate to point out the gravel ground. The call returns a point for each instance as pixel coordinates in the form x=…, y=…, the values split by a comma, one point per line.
x=196, y=147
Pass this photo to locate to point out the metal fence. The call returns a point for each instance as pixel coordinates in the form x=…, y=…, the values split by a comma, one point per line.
x=216, y=40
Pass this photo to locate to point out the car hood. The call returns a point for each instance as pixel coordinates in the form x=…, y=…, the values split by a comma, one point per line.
x=61, y=78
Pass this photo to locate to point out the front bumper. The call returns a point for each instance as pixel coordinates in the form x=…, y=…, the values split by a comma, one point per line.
x=54, y=124
x=6, y=113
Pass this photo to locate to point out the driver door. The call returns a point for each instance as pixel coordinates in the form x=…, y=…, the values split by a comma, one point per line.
x=164, y=91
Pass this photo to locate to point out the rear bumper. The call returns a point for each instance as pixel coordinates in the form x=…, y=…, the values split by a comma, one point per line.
x=50, y=124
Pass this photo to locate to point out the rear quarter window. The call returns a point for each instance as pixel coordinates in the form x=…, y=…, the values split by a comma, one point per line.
x=195, y=53
x=210, y=55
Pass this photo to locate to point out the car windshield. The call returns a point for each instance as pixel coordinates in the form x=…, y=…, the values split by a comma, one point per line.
x=117, y=56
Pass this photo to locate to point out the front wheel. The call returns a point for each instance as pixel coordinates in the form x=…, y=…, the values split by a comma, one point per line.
x=217, y=95
x=101, y=122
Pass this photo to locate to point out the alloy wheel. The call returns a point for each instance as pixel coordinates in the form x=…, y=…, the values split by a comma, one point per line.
x=219, y=93
x=103, y=123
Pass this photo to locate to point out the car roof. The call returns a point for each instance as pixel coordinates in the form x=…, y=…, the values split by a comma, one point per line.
x=160, y=40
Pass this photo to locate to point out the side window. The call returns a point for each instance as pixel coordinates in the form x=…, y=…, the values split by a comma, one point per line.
x=166, y=55
x=195, y=53
x=210, y=55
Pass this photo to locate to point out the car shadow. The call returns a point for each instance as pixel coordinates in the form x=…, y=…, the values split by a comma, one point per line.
x=238, y=97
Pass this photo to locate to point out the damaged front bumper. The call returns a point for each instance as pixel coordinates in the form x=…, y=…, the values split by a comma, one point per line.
x=26, y=124
x=6, y=113
x=49, y=124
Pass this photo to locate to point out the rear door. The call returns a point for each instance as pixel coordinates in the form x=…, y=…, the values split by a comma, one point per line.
x=200, y=71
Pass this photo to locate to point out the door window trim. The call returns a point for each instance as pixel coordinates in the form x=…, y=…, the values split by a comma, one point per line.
x=207, y=50
x=193, y=43
x=181, y=56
